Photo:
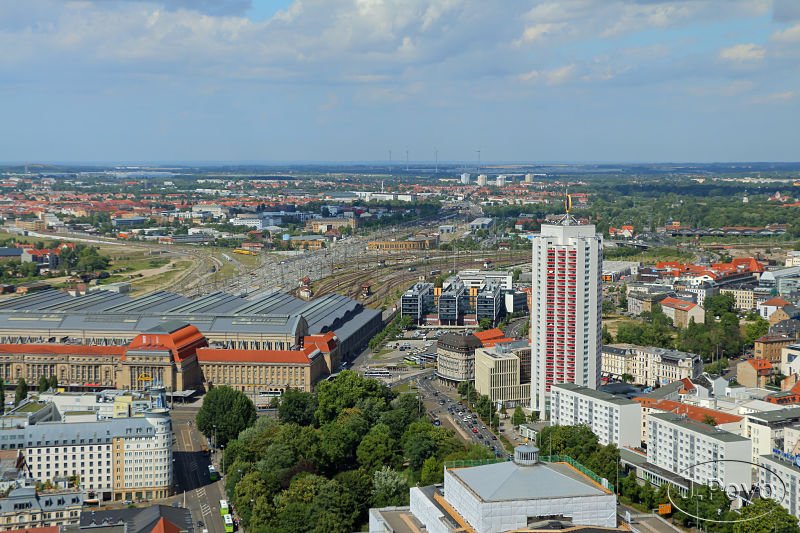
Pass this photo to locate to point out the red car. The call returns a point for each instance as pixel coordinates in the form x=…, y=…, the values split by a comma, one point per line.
x=474, y=430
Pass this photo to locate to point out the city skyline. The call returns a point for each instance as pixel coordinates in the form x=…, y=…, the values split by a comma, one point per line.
x=239, y=80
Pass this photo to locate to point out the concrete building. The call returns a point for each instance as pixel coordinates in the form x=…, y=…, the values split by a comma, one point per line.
x=502, y=373
x=117, y=459
x=766, y=429
x=697, y=451
x=613, y=419
x=643, y=302
x=511, y=495
x=565, y=308
x=500, y=180
x=784, y=280
x=413, y=243
x=649, y=365
x=418, y=302
x=754, y=373
x=744, y=296
x=456, y=358
x=483, y=180
x=465, y=178
x=481, y=223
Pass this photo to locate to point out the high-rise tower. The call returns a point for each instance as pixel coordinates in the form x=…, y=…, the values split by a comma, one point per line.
x=565, y=308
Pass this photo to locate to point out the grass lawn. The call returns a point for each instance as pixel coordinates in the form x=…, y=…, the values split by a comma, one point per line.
x=160, y=281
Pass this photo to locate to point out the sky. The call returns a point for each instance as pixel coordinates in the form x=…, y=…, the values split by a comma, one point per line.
x=353, y=80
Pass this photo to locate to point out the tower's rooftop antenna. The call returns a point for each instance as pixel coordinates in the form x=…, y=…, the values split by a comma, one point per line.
x=567, y=219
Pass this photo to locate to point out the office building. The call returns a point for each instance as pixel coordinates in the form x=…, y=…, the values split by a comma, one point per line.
x=465, y=178
x=766, y=430
x=565, y=308
x=613, y=419
x=456, y=358
x=418, y=302
x=693, y=450
x=502, y=372
x=483, y=180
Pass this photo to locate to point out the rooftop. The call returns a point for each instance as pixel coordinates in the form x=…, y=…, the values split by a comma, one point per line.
x=508, y=481
x=592, y=393
x=699, y=427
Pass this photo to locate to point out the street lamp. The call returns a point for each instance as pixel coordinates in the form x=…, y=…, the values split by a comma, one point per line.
x=223, y=458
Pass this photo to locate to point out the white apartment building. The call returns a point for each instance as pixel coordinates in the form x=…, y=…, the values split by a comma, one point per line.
x=698, y=452
x=501, y=373
x=478, y=279
x=766, y=430
x=613, y=419
x=648, y=365
x=119, y=459
x=565, y=308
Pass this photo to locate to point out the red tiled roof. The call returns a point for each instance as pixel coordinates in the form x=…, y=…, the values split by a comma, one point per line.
x=489, y=335
x=60, y=349
x=298, y=357
x=760, y=364
x=165, y=526
x=675, y=303
x=698, y=414
x=777, y=301
x=181, y=343
x=326, y=342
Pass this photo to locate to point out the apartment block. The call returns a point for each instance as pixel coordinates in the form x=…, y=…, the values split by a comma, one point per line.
x=613, y=419
x=698, y=452
x=649, y=365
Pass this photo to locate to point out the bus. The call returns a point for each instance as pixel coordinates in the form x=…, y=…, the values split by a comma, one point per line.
x=223, y=508
x=377, y=374
x=228, y=523
x=213, y=475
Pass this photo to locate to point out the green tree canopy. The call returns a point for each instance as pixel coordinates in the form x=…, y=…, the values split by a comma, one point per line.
x=21, y=391
x=227, y=409
x=298, y=407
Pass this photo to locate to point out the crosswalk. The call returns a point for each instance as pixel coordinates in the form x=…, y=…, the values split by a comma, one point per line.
x=205, y=509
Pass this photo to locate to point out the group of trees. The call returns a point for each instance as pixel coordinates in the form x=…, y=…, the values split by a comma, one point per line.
x=390, y=332
x=721, y=335
x=45, y=383
x=331, y=455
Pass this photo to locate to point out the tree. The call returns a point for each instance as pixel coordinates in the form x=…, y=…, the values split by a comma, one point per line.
x=44, y=383
x=484, y=324
x=53, y=382
x=377, y=448
x=710, y=420
x=518, y=417
x=227, y=409
x=389, y=488
x=21, y=392
x=755, y=329
x=765, y=516
x=348, y=390
x=432, y=472
x=608, y=338
x=627, y=378
x=297, y=407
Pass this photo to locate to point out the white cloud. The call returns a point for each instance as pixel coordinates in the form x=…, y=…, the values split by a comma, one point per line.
x=743, y=52
x=538, y=32
x=557, y=76
x=789, y=35
x=773, y=98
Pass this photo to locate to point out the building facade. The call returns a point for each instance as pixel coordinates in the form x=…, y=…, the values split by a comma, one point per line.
x=456, y=358
x=698, y=452
x=565, y=309
x=614, y=420
x=648, y=365
x=26, y=509
x=502, y=373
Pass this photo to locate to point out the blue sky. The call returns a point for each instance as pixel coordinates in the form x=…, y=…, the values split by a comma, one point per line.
x=346, y=80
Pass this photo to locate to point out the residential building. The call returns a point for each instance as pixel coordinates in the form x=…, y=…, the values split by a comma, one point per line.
x=754, y=373
x=456, y=358
x=792, y=258
x=24, y=509
x=730, y=422
x=682, y=312
x=769, y=347
x=321, y=225
x=744, y=296
x=698, y=452
x=565, y=308
x=649, y=366
x=481, y=223
x=768, y=307
x=150, y=519
x=613, y=419
x=502, y=372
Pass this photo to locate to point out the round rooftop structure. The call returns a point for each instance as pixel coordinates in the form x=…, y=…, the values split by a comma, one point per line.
x=526, y=455
x=459, y=342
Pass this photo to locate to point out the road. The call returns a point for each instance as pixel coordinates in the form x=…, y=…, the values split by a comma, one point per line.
x=645, y=523
x=191, y=472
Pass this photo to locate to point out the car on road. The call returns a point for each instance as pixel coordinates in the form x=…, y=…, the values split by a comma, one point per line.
x=474, y=430
x=494, y=437
x=483, y=427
